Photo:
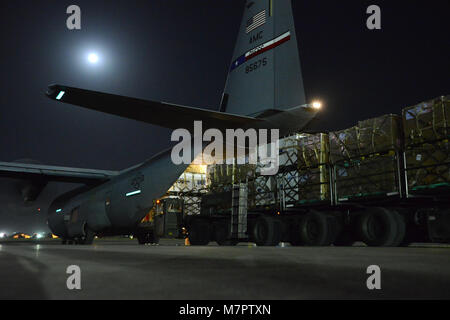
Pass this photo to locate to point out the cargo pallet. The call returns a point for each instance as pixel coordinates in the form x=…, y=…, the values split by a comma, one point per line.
x=406, y=199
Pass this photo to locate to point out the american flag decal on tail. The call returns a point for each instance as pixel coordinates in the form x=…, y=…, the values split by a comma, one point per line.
x=256, y=21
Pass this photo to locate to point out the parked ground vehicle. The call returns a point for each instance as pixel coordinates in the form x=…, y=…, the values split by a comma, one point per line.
x=385, y=181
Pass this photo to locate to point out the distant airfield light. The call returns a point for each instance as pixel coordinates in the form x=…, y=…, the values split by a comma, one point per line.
x=317, y=104
x=93, y=58
x=2, y=235
x=60, y=95
x=58, y=210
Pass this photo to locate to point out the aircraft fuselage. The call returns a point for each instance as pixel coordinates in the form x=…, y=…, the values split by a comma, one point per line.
x=119, y=204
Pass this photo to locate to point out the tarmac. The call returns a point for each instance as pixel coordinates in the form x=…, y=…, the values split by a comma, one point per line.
x=121, y=269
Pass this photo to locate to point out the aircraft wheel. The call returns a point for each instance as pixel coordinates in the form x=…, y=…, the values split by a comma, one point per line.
x=88, y=237
x=141, y=238
x=267, y=231
x=380, y=227
x=152, y=237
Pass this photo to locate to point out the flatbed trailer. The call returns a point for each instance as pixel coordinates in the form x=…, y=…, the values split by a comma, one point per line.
x=411, y=202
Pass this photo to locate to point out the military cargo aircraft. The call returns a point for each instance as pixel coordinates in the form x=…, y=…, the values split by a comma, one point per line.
x=264, y=90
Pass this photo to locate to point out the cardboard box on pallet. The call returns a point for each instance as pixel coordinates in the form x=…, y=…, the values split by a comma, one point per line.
x=313, y=184
x=313, y=150
x=263, y=191
x=344, y=144
x=367, y=177
x=380, y=134
x=427, y=121
x=226, y=174
x=303, y=174
x=289, y=184
x=371, y=136
x=288, y=152
x=428, y=166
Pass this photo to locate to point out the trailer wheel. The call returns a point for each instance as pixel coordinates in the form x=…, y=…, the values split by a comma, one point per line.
x=335, y=226
x=267, y=231
x=379, y=227
x=345, y=239
x=318, y=229
x=346, y=236
x=222, y=234
x=199, y=232
x=295, y=238
x=401, y=229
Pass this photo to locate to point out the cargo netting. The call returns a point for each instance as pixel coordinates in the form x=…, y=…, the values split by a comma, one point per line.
x=427, y=121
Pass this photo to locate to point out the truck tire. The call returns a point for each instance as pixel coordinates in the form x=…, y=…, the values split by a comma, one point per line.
x=267, y=231
x=318, y=229
x=295, y=239
x=199, y=232
x=401, y=229
x=335, y=226
x=379, y=227
x=222, y=234
x=345, y=239
x=346, y=236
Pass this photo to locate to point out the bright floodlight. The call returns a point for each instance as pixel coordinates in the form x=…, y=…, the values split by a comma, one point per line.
x=93, y=58
x=317, y=105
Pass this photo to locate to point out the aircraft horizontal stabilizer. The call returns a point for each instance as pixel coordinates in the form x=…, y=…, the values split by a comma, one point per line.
x=158, y=113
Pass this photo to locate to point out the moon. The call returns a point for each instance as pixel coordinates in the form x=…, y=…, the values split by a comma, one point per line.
x=93, y=58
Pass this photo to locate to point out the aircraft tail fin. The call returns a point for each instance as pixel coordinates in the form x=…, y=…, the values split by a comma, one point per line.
x=265, y=72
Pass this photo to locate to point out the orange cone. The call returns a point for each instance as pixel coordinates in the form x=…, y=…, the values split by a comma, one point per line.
x=186, y=242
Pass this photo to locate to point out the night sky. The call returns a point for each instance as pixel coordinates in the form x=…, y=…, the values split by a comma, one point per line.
x=179, y=51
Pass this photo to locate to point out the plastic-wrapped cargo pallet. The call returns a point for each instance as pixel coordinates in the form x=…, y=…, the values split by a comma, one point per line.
x=189, y=187
x=427, y=157
x=304, y=169
x=288, y=175
x=221, y=175
x=366, y=157
x=314, y=168
x=263, y=189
